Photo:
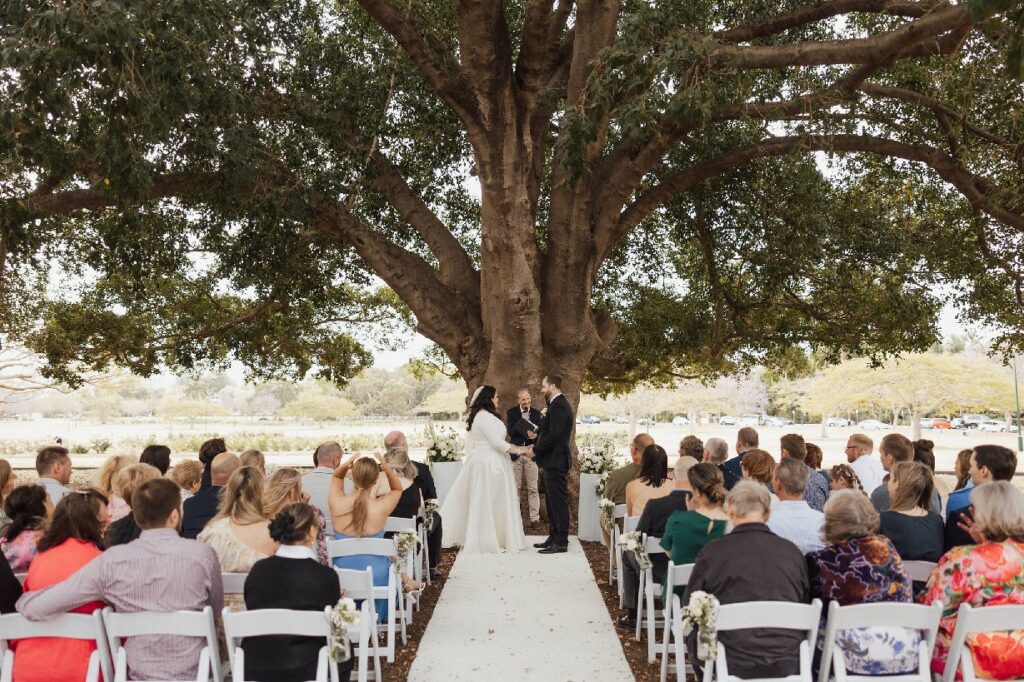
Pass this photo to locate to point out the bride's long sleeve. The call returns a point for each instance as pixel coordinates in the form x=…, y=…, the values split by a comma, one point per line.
x=493, y=430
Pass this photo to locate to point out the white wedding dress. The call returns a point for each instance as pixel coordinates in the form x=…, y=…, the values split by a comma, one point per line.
x=481, y=512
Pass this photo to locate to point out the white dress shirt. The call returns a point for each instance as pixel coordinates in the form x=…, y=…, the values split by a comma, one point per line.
x=54, y=489
x=795, y=521
x=870, y=472
x=317, y=485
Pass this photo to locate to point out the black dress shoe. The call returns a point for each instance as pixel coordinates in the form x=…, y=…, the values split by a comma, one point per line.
x=543, y=545
x=554, y=549
x=627, y=621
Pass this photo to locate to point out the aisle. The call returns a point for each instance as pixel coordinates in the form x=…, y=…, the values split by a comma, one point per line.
x=522, y=616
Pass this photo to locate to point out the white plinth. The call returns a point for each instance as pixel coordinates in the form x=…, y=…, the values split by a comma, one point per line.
x=589, y=515
x=444, y=474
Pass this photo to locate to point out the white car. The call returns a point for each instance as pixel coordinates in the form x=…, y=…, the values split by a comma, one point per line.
x=992, y=425
x=680, y=421
x=749, y=420
x=873, y=425
x=727, y=420
x=838, y=421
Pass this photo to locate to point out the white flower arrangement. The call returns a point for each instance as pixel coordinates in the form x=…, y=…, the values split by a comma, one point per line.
x=405, y=544
x=633, y=542
x=430, y=508
x=601, y=483
x=702, y=613
x=607, y=509
x=344, y=615
x=597, y=457
x=445, y=444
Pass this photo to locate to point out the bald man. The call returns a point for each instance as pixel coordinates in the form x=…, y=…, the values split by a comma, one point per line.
x=201, y=507
x=615, y=487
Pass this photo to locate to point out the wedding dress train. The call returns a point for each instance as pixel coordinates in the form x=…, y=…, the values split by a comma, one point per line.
x=481, y=512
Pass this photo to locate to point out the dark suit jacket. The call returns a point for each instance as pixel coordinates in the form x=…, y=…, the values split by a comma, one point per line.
x=10, y=588
x=426, y=481
x=552, y=446
x=732, y=470
x=656, y=512
x=198, y=510
x=123, y=531
x=512, y=418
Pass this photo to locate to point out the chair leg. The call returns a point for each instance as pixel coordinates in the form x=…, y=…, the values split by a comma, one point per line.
x=640, y=604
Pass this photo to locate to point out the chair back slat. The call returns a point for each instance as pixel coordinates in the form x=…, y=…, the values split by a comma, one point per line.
x=356, y=584
x=919, y=571
x=260, y=622
x=652, y=546
x=352, y=546
x=629, y=523
x=678, y=575
x=900, y=614
x=234, y=583
x=619, y=512
x=398, y=523
x=181, y=623
x=990, y=618
x=769, y=614
x=65, y=626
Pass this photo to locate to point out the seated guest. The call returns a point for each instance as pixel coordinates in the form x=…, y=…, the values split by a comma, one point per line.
x=752, y=564
x=988, y=463
x=180, y=575
x=652, y=483
x=158, y=456
x=126, y=482
x=960, y=498
x=8, y=480
x=860, y=567
x=239, y=534
x=716, y=451
x=746, y=439
x=317, y=483
x=207, y=452
x=652, y=523
x=691, y=446
x=291, y=579
x=27, y=507
x=10, y=588
x=687, y=531
x=187, y=475
x=924, y=452
x=283, y=488
x=792, y=518
x=203, y=506
x=814, y=457
x=118, y=508
x=843, y=477
x=759, y=466
x=895, y=448
x=414, y=494
x=869, y=470
x=54, y=468
x=254, y=458
x=615, y=486
x=988, y=573
x=915, y=532
x=73, y=538
x=816, y=489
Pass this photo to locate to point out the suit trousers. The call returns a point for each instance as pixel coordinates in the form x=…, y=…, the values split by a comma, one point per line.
x=526, y=468
x=557, y=502
x=434, y=540
x=631, y=576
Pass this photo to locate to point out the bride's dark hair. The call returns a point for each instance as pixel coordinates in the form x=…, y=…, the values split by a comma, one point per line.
x=484, y=401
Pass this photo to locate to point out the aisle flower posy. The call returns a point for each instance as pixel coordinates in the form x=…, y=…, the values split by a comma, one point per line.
x=344, y=615
x=405, y=544
x=597, y=458
x=633, y=542
x=607, y=509
x=445, y=444
x=702, y=613
x=430, y=508
x=601, y=483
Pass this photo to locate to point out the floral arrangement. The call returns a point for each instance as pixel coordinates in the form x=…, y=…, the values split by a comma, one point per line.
x=430, y=508
x=702, y=613
x=405, y=544
x=633, y=542
x=597, y=457
x=607, y=509
x=601, y=483
x=344, y=615
x=445, y=444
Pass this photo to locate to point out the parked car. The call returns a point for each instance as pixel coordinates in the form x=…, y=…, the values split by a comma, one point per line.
x=645, y=421
x=935, y=423
x=838, y=421
x=776, y=421
x=621, y=420
x=968, y=421
x=993, y=425
x=749, y=420
x=680, y=421
x=873, y=425
x=727, y=420
x=590, y=420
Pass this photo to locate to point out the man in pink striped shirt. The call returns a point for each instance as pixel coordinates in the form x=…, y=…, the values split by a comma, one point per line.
x=160, y=571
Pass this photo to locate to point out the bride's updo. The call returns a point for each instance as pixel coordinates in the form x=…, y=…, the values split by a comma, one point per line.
x=484, y=401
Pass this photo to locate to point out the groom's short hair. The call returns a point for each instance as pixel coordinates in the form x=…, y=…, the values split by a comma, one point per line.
x=554, y=380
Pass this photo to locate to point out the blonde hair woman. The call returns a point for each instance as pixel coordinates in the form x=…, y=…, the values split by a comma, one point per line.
x=917, y=532
x=126, y=482
x=7, y=482
x=239, y=533
x=119, y=507
x=284, y=487
x=254, y=458
x=187, y=475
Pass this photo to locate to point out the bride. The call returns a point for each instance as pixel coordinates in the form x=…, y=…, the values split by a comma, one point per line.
x=481, y=512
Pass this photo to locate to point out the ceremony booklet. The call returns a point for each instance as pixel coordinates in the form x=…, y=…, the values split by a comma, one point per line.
x=523, y=426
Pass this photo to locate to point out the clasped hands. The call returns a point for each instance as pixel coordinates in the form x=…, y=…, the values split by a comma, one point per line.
x=523, y=451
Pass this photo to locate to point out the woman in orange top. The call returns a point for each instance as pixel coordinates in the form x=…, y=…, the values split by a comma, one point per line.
x=73, y=539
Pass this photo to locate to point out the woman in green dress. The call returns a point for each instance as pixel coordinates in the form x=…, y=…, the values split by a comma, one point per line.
x=704, y=520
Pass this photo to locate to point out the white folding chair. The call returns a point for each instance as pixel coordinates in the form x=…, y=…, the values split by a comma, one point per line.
x=196, y=624
x=424, y=546
x=971, y=620
x=676, y=575
x=390, y=593
x=358, y=585
x=414, y=564
x=238, y=626
x=647, y=593
x=234, y=583
x=895, y=614
x=629, y=524
x=919, y=571
x=618, y=514
x=14, y=626
x=766, y=614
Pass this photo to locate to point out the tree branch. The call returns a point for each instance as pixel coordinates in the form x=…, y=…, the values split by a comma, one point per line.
x=69, y=201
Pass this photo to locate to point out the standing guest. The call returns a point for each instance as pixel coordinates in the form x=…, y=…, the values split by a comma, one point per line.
x=843, y=477
x=817, y=486
x=652, y=483
x=814, y=456
x=239, y=533
x=746, y=439
x=73, y=539
x=254, y=458
x=759, y=466
x=179, y=575
x=652, y=523
x=118, y=507
x=792, y=518
x=703, y=520
x=988, y=463
x=716, y=451
x=989, y=572
x=916, y=532
x=868, y=469
x=125, y=529
x=10, y=588
x=960, y=498
x=317, y=483
x=524, y=468
x=54, y=468
x=724, y=569
x=860, y=567
x=8, y=480
x=158, y=456
x=895, y=448
x=27, y=507
x=284, y=487
x=615, y=486
x=203, y=506
x=291, y=579
x=207, y=452
x=397, y=439
x=187, y=475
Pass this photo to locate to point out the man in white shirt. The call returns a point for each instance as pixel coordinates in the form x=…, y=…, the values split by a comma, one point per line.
x=868, y=469
x=317, y=483
x=54, y=468
x=792, y=518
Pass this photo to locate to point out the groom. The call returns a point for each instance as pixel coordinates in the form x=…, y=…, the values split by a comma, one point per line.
x=551, y=453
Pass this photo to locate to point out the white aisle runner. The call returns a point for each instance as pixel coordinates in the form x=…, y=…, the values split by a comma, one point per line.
x=521, y=616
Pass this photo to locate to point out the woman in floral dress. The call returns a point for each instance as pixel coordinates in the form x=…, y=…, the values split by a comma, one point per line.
x=989, y=573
